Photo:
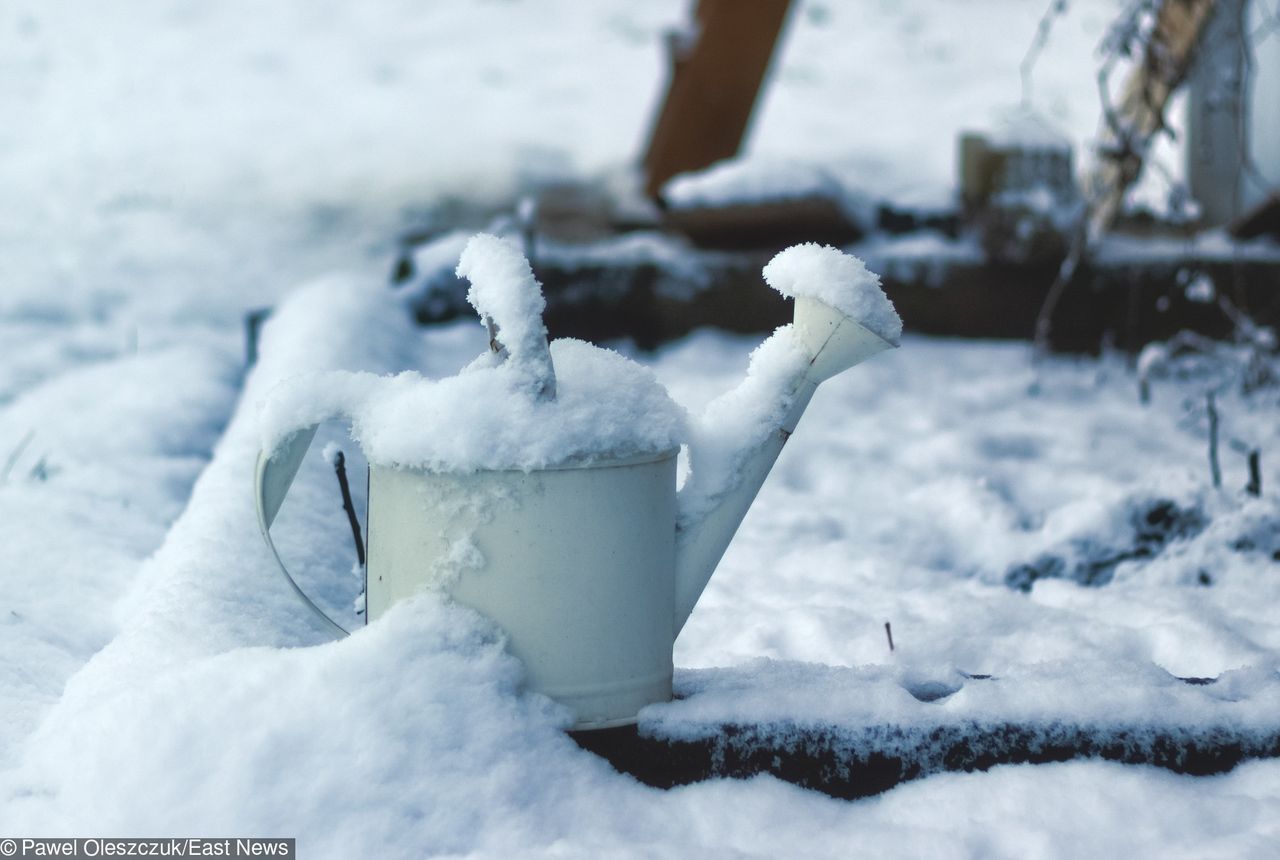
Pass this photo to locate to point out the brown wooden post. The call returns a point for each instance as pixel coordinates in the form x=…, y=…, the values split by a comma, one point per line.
x=714, y=84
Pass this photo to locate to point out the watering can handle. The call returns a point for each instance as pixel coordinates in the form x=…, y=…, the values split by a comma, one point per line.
x=272, y=478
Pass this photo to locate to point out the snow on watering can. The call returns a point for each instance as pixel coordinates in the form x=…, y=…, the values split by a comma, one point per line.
x=539, y=487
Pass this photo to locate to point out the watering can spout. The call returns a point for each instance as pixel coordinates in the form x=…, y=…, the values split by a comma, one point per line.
x=834, y=342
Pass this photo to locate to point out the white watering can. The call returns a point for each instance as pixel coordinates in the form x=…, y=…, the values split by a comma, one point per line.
x=592, y=564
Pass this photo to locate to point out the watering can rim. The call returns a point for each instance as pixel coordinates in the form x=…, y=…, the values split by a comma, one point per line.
x=572, y=464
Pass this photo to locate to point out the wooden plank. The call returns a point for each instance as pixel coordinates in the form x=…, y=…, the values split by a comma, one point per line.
x=765, y=227
x=831, y=760
x=714, y=84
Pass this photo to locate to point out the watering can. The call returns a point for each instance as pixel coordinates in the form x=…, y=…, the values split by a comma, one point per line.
x=590, y=566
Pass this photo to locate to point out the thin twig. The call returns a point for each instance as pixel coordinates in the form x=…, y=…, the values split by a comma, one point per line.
x=1066, y=273
x=527, y=218
x=1254, y=487
x=41, y=471
x=888, y=631
x=1038, y=44
x=340, y=467
x=14, y=455
x=253, y=321
x=1214, y=469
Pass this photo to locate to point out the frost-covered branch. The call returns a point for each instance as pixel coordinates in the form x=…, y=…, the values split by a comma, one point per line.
x=1037, y=46
x=1215, y=470
x=1163, y=34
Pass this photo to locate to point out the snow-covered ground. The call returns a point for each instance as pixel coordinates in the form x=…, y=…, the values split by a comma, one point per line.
x=168, y=165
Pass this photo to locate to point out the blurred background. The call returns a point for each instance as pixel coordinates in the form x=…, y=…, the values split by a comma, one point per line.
x=168, y=161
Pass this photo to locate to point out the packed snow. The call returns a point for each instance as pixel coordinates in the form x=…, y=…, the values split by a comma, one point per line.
x=170, y=166
x=766, y=180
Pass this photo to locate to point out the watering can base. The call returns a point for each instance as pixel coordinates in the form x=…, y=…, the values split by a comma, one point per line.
x=606, y=706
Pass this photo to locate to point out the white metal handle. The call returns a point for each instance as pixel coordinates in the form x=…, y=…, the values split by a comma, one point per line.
x=273, y=476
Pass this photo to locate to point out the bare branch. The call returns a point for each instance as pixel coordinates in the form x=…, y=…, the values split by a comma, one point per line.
x=340, y=468
x=14, y=455
x=1215, y=470
x=1037, y=46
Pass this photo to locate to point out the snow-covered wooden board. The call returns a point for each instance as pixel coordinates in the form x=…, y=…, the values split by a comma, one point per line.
x=854, y=732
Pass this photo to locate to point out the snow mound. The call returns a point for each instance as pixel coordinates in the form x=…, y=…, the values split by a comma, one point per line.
x=838, y=279
x=414, y=707
x=757, y=181
x=607, y=407
x=527, y=406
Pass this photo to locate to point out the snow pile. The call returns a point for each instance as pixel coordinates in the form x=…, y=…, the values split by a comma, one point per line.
x=747, y=181
x=387, y=735
x=755, y=181
x=95, y=464
x=840, y=280
x=606, y=407
x=525, y=407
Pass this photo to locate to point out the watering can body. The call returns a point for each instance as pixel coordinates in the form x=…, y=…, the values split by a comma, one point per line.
x=576, y=565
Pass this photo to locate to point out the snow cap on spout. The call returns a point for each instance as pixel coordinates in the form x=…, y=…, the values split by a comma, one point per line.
x=842, y=315
x=841, y=318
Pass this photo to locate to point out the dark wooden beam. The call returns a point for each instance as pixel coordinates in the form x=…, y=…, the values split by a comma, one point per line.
x=1261, y=220
x=850, y=763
